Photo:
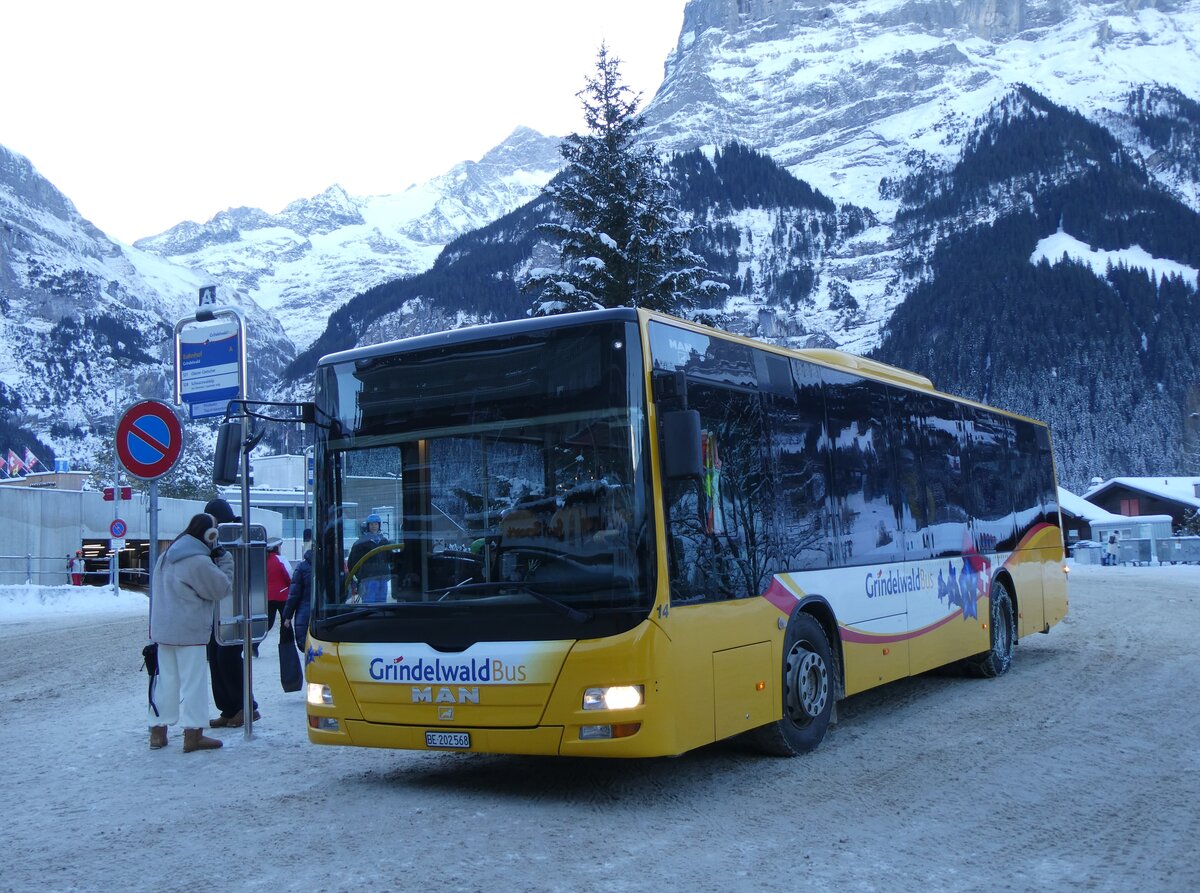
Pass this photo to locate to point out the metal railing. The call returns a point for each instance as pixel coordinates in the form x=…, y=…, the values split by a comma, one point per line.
x=40, y=570
x=1139, y=551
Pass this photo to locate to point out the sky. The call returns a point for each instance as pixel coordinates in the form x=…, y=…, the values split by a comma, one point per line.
x=146, y=114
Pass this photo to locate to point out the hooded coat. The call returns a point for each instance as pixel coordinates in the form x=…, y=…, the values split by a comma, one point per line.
x=298, y=603
x=187, y=588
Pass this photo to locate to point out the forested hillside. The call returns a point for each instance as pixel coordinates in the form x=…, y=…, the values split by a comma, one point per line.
x=477, y=277
x=1109, y=361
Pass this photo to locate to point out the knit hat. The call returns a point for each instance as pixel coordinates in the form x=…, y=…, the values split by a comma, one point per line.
x=221, y=510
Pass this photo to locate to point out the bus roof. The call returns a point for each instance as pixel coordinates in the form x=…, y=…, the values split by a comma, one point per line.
x=834, y=359
x=478, y=333
x=848, y=362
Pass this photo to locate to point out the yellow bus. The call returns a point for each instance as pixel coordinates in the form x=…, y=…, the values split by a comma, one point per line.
x=620, y=534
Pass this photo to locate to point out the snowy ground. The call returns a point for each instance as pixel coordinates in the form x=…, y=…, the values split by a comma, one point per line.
x=1079, y=770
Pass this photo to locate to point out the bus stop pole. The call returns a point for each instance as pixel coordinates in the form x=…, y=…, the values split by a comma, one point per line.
x=244, y=582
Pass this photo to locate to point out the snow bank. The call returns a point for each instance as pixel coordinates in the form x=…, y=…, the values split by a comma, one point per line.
x=27, y=602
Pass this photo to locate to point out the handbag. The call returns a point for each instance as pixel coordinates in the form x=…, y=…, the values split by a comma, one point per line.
x=291, y=677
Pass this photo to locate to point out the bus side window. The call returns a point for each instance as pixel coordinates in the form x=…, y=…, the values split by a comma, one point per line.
x=941, y=437
x=799, y=463
x=989, y=480
x=866, y=502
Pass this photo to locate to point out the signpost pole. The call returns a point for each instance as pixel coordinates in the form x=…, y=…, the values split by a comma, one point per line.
x=149, y=441
x=247, y=630
x=114, y=562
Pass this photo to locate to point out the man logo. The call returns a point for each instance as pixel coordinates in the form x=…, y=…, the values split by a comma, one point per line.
x=445, y=695
x=446, y=714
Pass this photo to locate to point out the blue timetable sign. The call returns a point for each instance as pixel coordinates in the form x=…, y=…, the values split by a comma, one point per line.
x=209, y=366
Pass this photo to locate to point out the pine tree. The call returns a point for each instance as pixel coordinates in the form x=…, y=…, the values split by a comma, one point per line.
x=1191, y=524
x=621, y=242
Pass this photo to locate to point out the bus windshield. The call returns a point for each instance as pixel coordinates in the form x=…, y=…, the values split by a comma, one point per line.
x=489, y=489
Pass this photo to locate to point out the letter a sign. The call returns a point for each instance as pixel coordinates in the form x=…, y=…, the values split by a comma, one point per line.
x=149, y=439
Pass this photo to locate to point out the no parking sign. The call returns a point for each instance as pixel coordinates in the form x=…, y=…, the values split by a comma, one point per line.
x=149, y=439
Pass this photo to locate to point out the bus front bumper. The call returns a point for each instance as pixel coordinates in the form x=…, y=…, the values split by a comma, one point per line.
x=537, y=741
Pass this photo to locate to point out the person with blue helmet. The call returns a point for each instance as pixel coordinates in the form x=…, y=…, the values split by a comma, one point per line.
x=369, y=563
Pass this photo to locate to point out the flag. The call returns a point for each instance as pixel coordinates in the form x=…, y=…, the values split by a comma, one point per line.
x=30, y=459
x=14, y=464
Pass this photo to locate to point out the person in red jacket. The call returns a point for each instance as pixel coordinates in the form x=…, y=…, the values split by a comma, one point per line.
x=279, y=581
x=75, y=566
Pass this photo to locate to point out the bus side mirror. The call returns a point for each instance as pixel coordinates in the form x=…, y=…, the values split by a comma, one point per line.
x=227, y=460
x=669, y=387
x=682, y=454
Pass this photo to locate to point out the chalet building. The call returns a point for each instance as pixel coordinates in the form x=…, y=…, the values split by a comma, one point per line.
x=1174, y=496
x=1079, y=516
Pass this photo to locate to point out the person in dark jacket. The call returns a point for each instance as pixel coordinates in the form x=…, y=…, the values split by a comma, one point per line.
x=189, y=581
x=369, y=564
x=225, y=661
x=296, y=611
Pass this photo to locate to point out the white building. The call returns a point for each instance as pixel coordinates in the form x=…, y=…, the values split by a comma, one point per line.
x=41, y=527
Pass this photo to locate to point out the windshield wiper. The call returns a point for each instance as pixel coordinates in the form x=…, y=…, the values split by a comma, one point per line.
x=500, y=586
x=379, y=610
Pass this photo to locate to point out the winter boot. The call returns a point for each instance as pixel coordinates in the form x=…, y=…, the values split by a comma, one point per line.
x=239, y=719
x=193, y=739
x=158, y=737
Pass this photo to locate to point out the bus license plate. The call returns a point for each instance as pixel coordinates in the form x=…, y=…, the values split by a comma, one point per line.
x=447, y=739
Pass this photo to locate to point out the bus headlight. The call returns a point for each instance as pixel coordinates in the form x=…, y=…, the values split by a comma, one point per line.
x=319, y=695
x=614, y=697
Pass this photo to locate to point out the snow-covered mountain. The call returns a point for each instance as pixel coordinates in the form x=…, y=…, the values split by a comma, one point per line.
x=317, y=253
x=848, y=96
x=844, y=94
x=949, y=144
x=853, y=98
x=82, y=315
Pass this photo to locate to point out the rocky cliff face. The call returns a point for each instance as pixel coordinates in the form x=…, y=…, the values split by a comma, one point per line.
x=852, y=96
x=841, y=94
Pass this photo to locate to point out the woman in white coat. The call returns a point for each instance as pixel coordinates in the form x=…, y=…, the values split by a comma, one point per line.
x=188, y=583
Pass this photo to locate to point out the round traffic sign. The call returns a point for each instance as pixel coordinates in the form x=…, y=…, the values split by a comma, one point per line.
x=149, y=439
x=117, y=529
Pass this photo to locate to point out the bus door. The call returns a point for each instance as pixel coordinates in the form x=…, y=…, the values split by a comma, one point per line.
x=720, y=538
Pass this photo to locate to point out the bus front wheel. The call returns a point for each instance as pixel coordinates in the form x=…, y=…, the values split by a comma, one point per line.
x=807, y=691
x=1002, y=628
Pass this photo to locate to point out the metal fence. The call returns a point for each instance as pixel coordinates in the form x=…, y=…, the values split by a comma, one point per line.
x=1166, y=550
x=40, y=570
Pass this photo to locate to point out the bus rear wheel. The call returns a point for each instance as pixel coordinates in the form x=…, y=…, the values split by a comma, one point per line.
x=1002, y=627
x=808, y=688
